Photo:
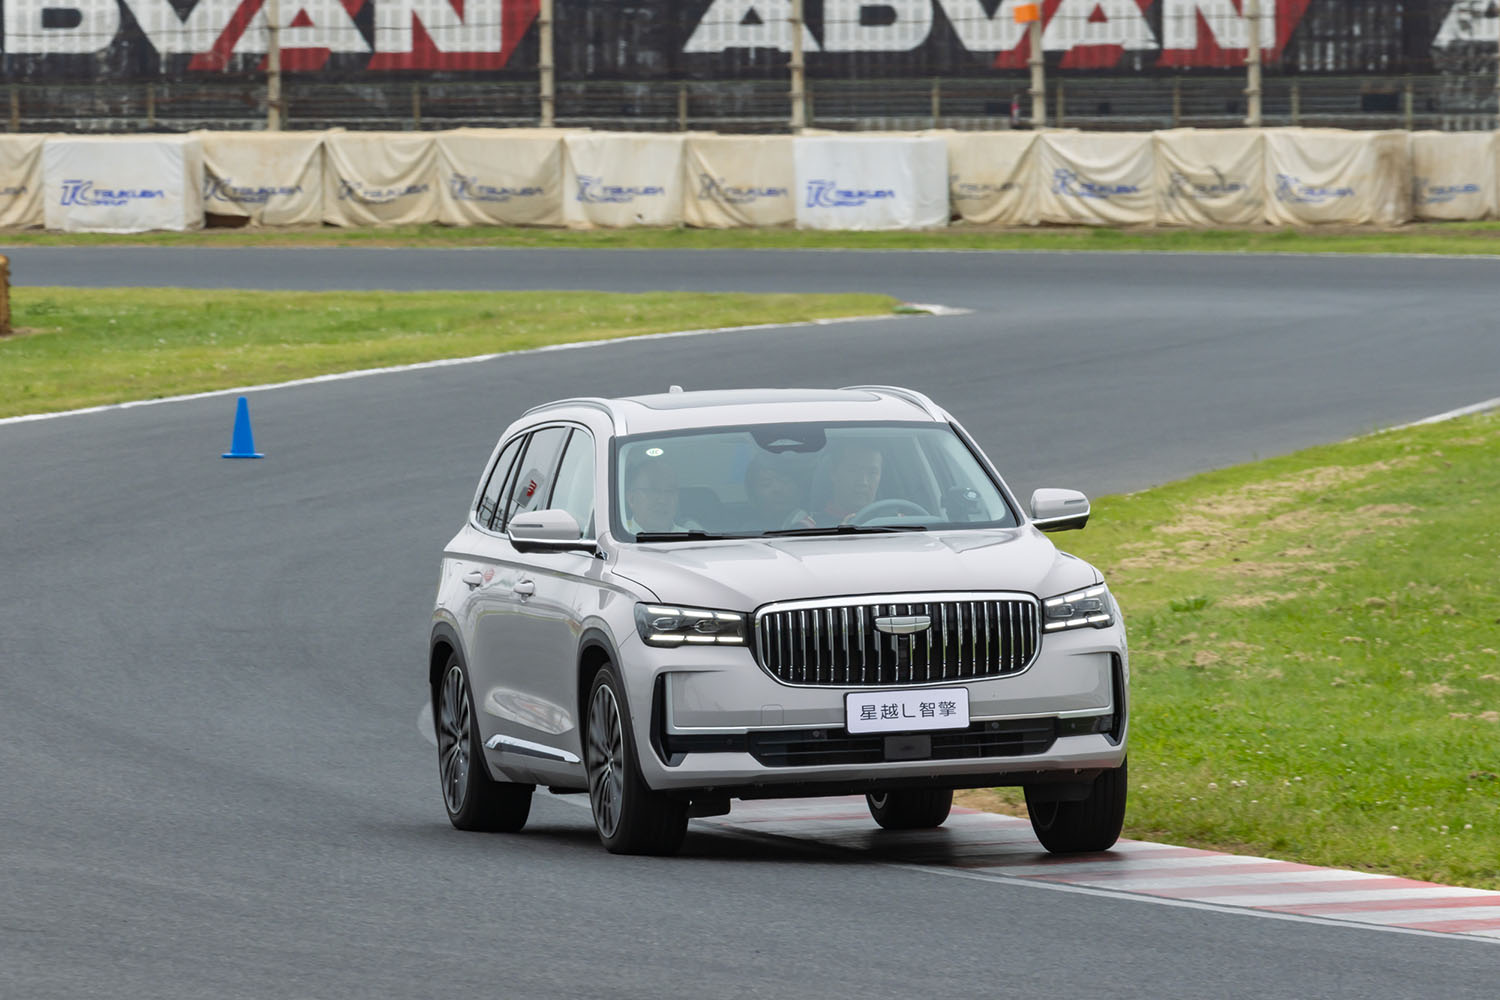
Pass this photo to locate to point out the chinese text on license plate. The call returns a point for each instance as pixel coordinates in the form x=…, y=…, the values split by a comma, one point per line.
x=906, y=711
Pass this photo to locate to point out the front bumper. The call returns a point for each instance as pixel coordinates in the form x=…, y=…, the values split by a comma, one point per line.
x=711, y=719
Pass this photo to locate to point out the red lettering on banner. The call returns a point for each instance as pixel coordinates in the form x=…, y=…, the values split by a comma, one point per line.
x=217, y=57
x=1207, y=54
x=515, y=18
x=1289, y=14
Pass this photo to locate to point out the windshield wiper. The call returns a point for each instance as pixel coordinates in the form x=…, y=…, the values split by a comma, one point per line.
x=692, y=534
x=846, y=529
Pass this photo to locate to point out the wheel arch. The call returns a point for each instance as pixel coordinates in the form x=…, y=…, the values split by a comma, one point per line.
x=595, y=649
x=443, y=643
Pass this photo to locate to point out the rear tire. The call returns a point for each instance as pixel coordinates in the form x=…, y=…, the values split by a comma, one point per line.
x=474, y=800
x=629, y=817
x=1092, y=824
x=918, y=809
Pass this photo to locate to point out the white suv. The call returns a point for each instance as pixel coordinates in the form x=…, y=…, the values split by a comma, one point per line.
x=672, y=601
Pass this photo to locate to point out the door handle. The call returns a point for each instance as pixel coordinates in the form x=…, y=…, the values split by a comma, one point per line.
x=473, y=578
x=525, y=588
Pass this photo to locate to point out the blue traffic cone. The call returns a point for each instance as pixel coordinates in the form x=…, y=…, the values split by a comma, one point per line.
x=243, y=445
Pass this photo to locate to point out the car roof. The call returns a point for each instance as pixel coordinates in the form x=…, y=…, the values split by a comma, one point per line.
x=678, y=410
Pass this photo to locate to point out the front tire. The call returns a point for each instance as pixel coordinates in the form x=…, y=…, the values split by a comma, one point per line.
x=629, y=817
x=474, y=800
x=920, y=809
x=1091, y=824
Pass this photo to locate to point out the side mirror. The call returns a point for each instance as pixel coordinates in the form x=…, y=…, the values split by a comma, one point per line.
x=1059, y=510
x=547, y=531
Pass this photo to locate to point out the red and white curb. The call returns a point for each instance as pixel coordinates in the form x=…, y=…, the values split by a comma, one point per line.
x=986, y=845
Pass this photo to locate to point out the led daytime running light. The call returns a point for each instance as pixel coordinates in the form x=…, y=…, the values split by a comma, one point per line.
x=1080, y=609
x=662, y=625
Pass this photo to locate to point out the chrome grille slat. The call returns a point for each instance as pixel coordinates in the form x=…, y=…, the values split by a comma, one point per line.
x=977, y=637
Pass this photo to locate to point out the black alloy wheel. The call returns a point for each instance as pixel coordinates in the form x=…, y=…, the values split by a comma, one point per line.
x=629, y=817
x=474, y=800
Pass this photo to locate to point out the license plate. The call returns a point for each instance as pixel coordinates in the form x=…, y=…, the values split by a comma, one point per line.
x=906, y=711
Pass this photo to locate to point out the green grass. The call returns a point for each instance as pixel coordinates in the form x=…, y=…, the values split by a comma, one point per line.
x=1315, y=652
x=1420, y=238
x=75, y=348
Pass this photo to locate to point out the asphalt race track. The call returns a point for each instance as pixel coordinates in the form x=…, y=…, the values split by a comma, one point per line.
x=209, y=671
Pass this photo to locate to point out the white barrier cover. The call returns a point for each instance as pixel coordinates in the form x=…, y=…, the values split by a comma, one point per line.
x=271, y=178
x=992, y=177
x=380, y=178
x=733, y=180
x=871, y=182
x=1330, y=175
x=120, y=184
x=21, y=180
x=622, y=179
x=500, y=177
x=1210, y=177
x=1453, y=174
x=1097, y=179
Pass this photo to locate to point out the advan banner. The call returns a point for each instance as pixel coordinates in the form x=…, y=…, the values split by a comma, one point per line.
x=122, y=184
x=871, y=182
x=725, y=39
x=270, y=178
x=21, y=180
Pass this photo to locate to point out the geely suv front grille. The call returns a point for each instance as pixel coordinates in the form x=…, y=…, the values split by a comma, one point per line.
x=882, y=639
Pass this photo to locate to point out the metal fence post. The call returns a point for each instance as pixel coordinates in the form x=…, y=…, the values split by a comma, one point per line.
x=545, y=65
x=1408, y=103
x=273, y=65
x=15, y=108
x=1062, y=104
x=1176, y=101
x=1296, y=102
x=1252, y=60
x=151, y=105
x=798, y=70
x=416, y=105
x=682, y=107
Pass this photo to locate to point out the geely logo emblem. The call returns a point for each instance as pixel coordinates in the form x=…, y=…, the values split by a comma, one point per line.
x=903, y=626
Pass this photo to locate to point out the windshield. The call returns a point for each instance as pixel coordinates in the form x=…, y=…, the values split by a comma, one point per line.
x=789, y=479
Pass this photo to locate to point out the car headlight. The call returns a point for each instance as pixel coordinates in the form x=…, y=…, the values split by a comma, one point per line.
x=660, y=625
x=1091, y=607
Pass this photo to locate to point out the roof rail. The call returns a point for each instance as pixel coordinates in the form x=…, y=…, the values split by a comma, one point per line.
x=592, y=402
x=911, y=396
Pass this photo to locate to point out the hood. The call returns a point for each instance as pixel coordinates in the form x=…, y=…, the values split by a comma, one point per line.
x=743, y=574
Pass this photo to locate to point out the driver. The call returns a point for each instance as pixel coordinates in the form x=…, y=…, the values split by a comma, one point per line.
x=651, y=498
x=854, y=480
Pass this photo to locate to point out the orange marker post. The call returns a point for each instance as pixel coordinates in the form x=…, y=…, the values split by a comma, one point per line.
x=1030, y=14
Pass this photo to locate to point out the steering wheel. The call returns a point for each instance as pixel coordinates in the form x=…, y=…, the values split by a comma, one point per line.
x=893, y=507
x=798, y=518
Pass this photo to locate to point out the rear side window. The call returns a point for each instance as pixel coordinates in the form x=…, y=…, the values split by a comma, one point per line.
x=489, y=500
x=532, y=484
